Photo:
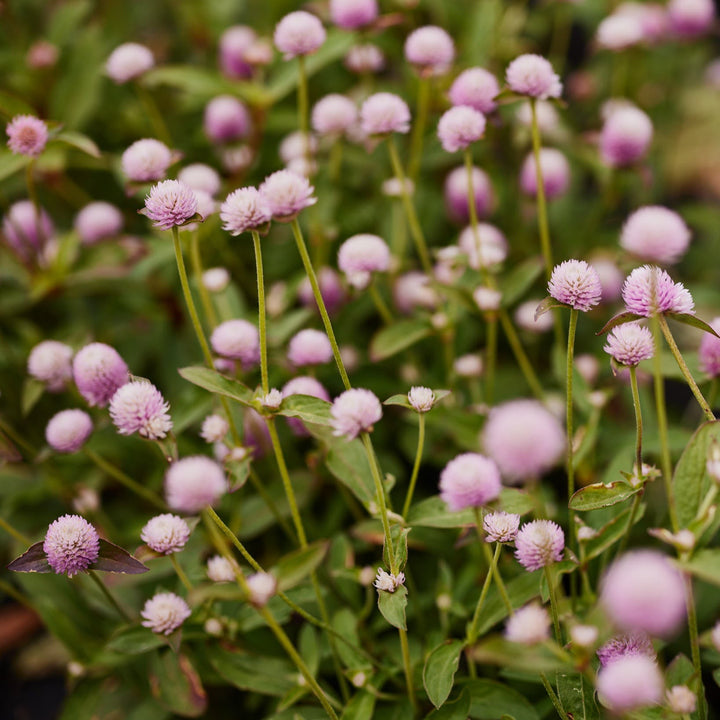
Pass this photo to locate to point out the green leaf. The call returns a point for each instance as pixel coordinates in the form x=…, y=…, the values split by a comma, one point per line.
x=345, y=623
x=457, y=709
x=11, y=163
x=309, y=648
x=134, y=640
x=679, y=671
x=307, y=408
x=577, y=696
x=398, y=337
x=521, y=589
x=619, y=319
x=264, y=675
x=705, y=564
x=80, y=142
x=433, y=512
x=392, y=606
x=546, y=305
x=693, y=321
x=611, y=532
x=217, y=383
x=398, y=535
x=176, y=684
x=439, y=671
x=516, y=501
x=348, y=462
x=295, y=567
x=600, y=495
x=114, y=559
x=519, y=280
x=490, y=700
x=360, y=707
x=499, y=651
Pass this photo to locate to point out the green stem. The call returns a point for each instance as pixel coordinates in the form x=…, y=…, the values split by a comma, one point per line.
x=380, y=304
x=8, y=528
x=472, y=632
x=695, y=646
x=212, y=517
x=569, y=414
x=108, y=595
x=553, y=605
x=472, y=208
x=543, y=226
x=520, y=355
x=492, y=561
x=196, y=261
x=407, y=667
x=416, y=139
x=633, y=512
x=638, y=419
x=156, y=118
x=712, y=395
x=490, y=355
x=302, y=101
x=180, y=572
x=554, y=699
x=335, y=160
x=262, y=324
x=416, y=464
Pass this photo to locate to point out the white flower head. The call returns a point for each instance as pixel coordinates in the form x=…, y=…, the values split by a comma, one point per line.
x=387, y=581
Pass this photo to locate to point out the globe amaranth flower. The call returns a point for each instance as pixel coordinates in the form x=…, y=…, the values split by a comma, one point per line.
x=166, y=533
x=216, y=279
x=225, y=119
x=27, y=135
x=529, y=625
x=476, y=88
x=484, y=246
x=71, y=545
x=539, y=543
x=456, y=193
x=533, y=75
x=146, y=160
x=469, y=480
x=164, y=613
x=709, y=352
x=232, y=48
x=384, y=113
x=414, y=290
x=421, y=399
x=99, y=371
x=387, y=581
x=355, y=411
x=629, y=644
x=298, y=33
x=360, y=256
x=625, y=137
x=238, y=340
x=430, y=49
x=690, y=18
x=245, y=209
x=501, y=527
x=98, y=221
x=333, y=115
x=199, y=176
x=220, y=569
x=619, y=31
x=459, y=127
x=214, y=428
x=525, y=317
x=352, y=14
x=364, y=58
x=656, y=234
x=170, y=203
x=309, y=347
x=649, y=290
x=629, y=344
x=303, y=385
x=286, y=193
x=68, y=430
x=261, y=587
x=30, y=238
x=487, y=299
x=194, y=482
x=630, y=683
x=129, y=61
x=50, y=362
x=575, y=283
x=139, y=407
x=681, y=700
x=331, y=289
x=555, y=171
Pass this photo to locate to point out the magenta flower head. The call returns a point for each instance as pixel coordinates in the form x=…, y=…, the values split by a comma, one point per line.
x=98, y=221
x=555, y=171
x=27, y=135
x=331, y=289
x=365, y=58
x=384, y=113
x=649, y=290
x=303, y=385
x=27, y=238
x=484, y=248
x=333, y=115
x=193, y=483
x=643, y=591
x=237, y=340
x=690, y=18
x=352, y=14
x=199, y=176
x=576, y=284
x=625, y=137
x=286, y=194
x=71, y=545
x=656, y=234
x=630, y=343
x=166, y=533
x=360, y=256
x=524, y=438
x=529, y=625
x=128, y=61
x=459, y=127
x=309, y=347
x=170, y=204
x=456, y=193
x=234, y=44
x=533, y=75
x=477, y=88
x=709, y=352
x=164, y=613
x=501, y=527
x=139, y=407
x=469, y=480
x=630, y=683
x=68, y=430
x=430, y=49
x=50, y=362
x=355, y=411
x=98, y=371
x=226, y=119
x=245, y=209
x=539, y=543
x=630, y=644
x=146, y=160
x=298, y=33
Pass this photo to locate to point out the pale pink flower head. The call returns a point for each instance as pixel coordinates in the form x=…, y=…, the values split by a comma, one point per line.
x=649, y=290
x=170, y=204
x=261, y=587
x=414, y=290
x=68, y=430
x=388, y=582
x=98, y=371
x=365, y=58
x=384, y=113
x=146, y=160
x=634, y=643
x=484, y=248
x=430, y=49
x=690, y=18
x=529, y=625
x=299, y=33
x=456, y=193
x=576, y=284
x=214, y=428
x=29, y=239
x=630, y=683
x=166, y=533
x=71, y=545
x=129, y=61
x=625, y=137
x=333, y=115
x=501, y=527
x=643, y=591
x=524, y=438
x=256, y=433
x=619, y=31
x=360, y=256
x=525, y=317
x=709, y=352
x=237, y=340
x=139, y=407
x=303, y=385
x=533, y=75
x=681, y=700
x=226, y=119
x=651, y=16
x=629, y=344
x=421, y=399
x=98, y=221
x=50, y=362
x=216, y=279
x=27, y=135
x=352, y=14
x=245, y=209
x=459, y=127
x=42, y=54
x=331, y=289
x=234, y=44
x=220, y=569
x=164, y=613
x=193, y=483
x=309, y=347
x=611, y=277
x=199, y=176
x=476, y=88
x=469, y=480
x=656, y=234
x=555, y=171
x=355, y=411
x=295, y=144
x=539, y=543
x=286, y=193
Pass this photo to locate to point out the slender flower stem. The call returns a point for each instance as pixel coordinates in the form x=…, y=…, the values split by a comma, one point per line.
x=631, y=521
x=211, y=517
x=638, y=418
x=262, y=323
x=569, y=416
x=380, y=304
x=108, y=595
x=180, y=572
x=416, y=139
x=407, y=667
x=302, y=101
x=695, y=646
x=196, y=261
x=492, y=561
x=491, y=325
x=416, y=464
x=16, y=437
x=156, y=118
x=553, y=604
x=543, y=226
x=554, y=699
x=472, y=208
x=521, y=356
x=8, y=528
x=472, y=632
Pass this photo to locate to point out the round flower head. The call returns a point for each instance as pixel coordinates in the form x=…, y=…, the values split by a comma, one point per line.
x=333, y=115
x=643, y=591
x=689, y=18
x=468, y=366
x=524, y=438
x=681, y=700
x=42, y=54
x=387, y=581
x=238, y=340
x=525, y=317
x=635, y=643
x=501, y=527
x=226, y=119
x=68, y=430
x=216, y=279
x=50, y=362
x=295, y=146
x=469, y=480
x=575, y=283
x=421, y=399
x=649, y=290
x=533, y=75
x=456, y=193
x=139, y=407
x=303, y=385
x=199, y=176
x=71, y=545
x=27, y=135
x=487, y=299
x=611, y=277
x=234, y=44
x=625, y=137
x=166, y=533
x=656, y=234
x=630, y=683
x=193, y=483
x=298, y=33
x=459, y=127
x=146, y=160
x=164, y=613
x=365, y=58
x=528, y=625
x=286, y=194
x=709, y=352
x=261, y=587
x=309, y=347
x=476, y=88
x=27, y=238
x=128, y=61
x=170, y=203
x=555, y=171
x=384, y=113
x=214, y=428
x=355, y=411
x=220, y=569
x=331, y=289
x=619, y=31
x=361, y=255
x=484, y=248
x=98, y=371
x=430, y=49
x=245, y=209
x=413, y=290
x=547, y=116
x=629, y=344
x=98, y=221
x=539, y=543
x=352, y=14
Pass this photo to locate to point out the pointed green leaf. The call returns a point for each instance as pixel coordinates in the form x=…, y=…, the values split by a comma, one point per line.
x=217, y=383
x=134, y=640
x=265, y=675
x=433, y=512
x=619, y=319
x=457, y=709
x=116, y=560
x=348, y=462
x=32, y=391
x=705, y=564
x=295, y=567
x=398, y=337
x=693, y=321
x=599, y=495
x=519, y=280
x=360, y=707
x=32, y=560
x=401, y=399
x=439, y=671
x=79, y=142
x=306, y=408
x=498, y=651
x=392, y=606
x=577, y=696
x=549, y=303
x=611, y=532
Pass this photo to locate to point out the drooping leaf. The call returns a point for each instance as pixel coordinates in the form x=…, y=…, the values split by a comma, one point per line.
x=600, y=495
x=398, y=337
x=32, y=560
x=392, y=606
x=265, y=675
x=439, y=671
x=547, y=304
x=217, y=383
x=295, y=567
x=348, y=462
x=693, y=321
x=116, y=560
x=134, y=640
x=619, y=319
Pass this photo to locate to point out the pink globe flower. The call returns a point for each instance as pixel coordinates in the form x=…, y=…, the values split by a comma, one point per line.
x=365, y=58
x=649, y=290
x=430, y=49
x=384, y=113
x=501, y=527
x=459, y=127
x=98, y=371
x=193, y=483
x=656, y=234
x=98, y=221
x=232, y=51
x=50, y=362
x=226, y=119
x=690, y=18
x=533, y=75
x=469, y=480
x=129, y=61
x=164, y=613
x=331, y=289
x=539, y=543
x=261, y=587
x=139, y=407
x=146, y=160
x=214, y=428
x=71, y=545
x=199, y=176
x=355, y=411
x=309, y=347
x=360, y=256
x=257, y=435
x=220, y=569
x=630, y=644
x=555, y=171
x=237, y=340
x=41, y=55
x=630, y=683
x=27, y=135
x=484, y=248
x=619, y=31
x=303, y=385
x=286, y=194
x=29, y=239
x=629, y=344
x=575, y=283
x=709, y=352
x=414, y=290
x=166, y=533
x=477, y=88
x=529, y=625
x=353, y=14
x=625, y=137
x=170, y=204
x=245, y=209
x=333, y=115
x=456, y=193
x=525, y=317
x=611, y=277
x=299, y=33
x=68, y=430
